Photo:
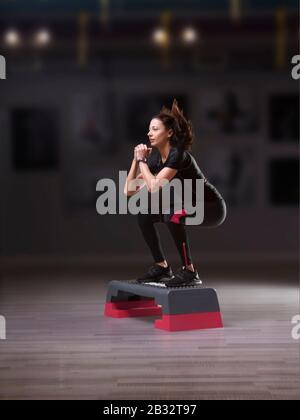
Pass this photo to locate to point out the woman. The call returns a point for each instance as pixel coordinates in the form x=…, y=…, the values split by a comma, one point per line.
x=171, y=136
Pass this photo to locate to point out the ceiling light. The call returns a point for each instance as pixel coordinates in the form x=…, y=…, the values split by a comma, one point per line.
x=42, y=38
x=189, y=35
x=161, y=36
x=12, y=38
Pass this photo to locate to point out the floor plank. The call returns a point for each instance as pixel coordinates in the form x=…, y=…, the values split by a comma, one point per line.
x=59, y=345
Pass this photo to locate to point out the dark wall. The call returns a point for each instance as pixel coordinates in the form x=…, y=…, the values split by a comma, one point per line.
x=49, y=208
x=72, y=111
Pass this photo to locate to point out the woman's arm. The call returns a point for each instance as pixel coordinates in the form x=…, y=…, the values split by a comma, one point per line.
x=154, y=183
x=132, y=175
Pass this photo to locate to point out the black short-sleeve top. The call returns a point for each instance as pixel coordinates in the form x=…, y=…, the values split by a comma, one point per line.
x=187, y=168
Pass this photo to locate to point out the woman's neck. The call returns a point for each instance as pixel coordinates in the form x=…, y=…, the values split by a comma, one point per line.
x=164, y=151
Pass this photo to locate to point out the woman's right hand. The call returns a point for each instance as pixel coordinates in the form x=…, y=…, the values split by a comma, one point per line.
x=135, y=153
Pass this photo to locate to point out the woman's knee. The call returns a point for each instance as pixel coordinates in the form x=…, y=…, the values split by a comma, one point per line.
x=215, y=214
x=223, y=213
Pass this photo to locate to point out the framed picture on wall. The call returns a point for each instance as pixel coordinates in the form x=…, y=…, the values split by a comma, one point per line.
x=35, y=138
x=229, y=112
x=91, y=149
x=140, y=108
x=283, y=118
x=92, y=125
x=284, y=181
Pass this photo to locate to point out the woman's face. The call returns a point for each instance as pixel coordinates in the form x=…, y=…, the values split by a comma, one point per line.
x=158, y=134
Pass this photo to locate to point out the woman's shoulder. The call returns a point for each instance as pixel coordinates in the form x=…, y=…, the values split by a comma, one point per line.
x=178, y=153
x=183, y=156
x=179, y=159
x=175, y=158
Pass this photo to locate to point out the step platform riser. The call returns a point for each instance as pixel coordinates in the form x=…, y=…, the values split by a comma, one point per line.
x=180, y=309
x=132, y=309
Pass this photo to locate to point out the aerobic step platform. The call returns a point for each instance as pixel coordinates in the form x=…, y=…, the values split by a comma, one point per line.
x=180, y=308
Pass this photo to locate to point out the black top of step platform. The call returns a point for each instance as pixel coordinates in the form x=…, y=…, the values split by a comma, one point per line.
x=174, y=300
x=163, y=286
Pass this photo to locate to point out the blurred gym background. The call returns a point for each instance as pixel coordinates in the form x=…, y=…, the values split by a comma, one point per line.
x=84, y=78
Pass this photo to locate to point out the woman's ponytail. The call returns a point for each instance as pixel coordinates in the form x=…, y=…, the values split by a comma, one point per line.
x=185, y=126
x=183, y=136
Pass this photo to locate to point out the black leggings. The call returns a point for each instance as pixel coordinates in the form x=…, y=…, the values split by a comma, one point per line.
x=214, y=215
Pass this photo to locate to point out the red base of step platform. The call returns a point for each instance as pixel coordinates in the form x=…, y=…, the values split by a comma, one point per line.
x=182, y=322
x=185, y=322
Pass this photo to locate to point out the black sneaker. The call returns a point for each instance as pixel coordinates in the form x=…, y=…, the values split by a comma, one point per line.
x=184, y=277
x=155, y=274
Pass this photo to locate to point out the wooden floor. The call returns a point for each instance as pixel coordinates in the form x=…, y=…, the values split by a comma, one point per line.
x=60, y=346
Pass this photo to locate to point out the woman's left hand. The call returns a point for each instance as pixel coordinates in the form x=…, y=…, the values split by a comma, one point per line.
x=141, y=151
